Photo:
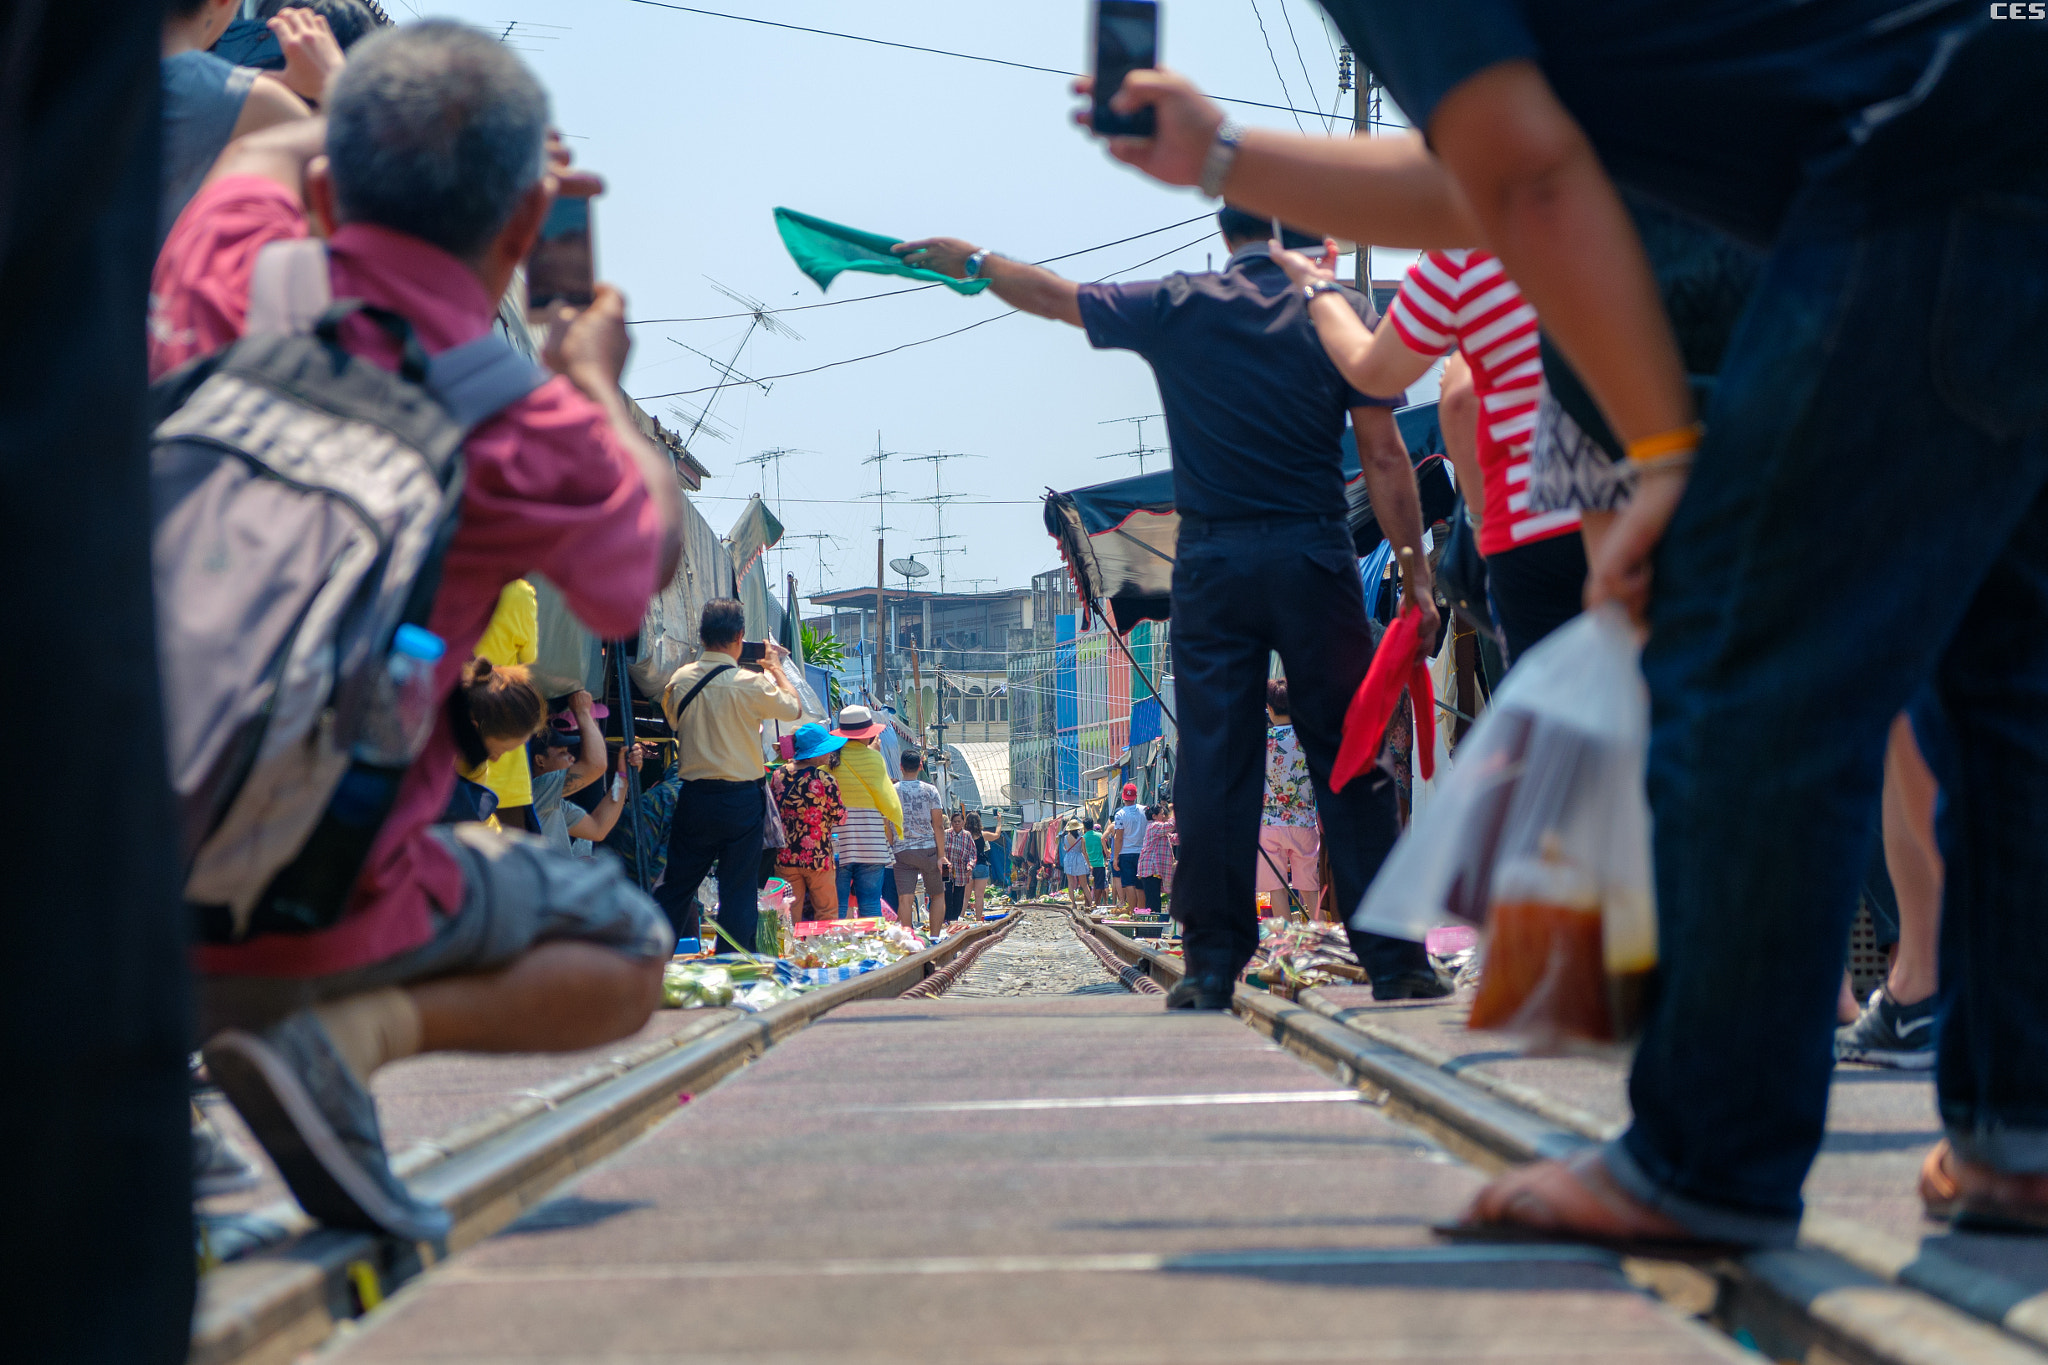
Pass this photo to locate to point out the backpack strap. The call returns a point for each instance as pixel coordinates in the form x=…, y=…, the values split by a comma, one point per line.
x=702, y=683
x=290, y=294
x=479, y=379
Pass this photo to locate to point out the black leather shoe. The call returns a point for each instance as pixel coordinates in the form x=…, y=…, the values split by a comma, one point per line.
x=1430, y=985
x=320, y=1127
x=1201, y=993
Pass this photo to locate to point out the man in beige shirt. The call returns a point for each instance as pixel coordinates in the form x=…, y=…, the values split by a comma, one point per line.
x=715, y=706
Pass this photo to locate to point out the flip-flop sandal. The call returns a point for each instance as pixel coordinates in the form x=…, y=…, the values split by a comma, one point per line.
x=1647, y=1248
x=1657, y=1246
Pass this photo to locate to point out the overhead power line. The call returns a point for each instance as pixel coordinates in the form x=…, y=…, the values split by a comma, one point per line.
x=921, y=288
x=876, y=355
x=937, y=51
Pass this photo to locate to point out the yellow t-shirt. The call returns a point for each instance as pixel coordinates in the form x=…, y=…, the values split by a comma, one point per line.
x=512, y=637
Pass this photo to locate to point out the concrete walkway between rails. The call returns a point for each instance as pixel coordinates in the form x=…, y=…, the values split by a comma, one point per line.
x=1080, y=1178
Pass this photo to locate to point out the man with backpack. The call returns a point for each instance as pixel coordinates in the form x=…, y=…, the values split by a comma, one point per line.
x=414, y=938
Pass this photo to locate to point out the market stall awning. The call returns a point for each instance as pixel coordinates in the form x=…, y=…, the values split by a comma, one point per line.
x=1118, y=538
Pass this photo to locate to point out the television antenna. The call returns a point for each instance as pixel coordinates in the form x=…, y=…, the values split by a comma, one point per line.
x=880, y=460
x=974, y=584
x=699, y=419
x=758, y=316
x=937, y=501
x=1142, y=449
x=818, y=540
x=775, y=456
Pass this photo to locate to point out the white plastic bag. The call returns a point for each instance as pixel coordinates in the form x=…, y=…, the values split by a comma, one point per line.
x=1541, y=831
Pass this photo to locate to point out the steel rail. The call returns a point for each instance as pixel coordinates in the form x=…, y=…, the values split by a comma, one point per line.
x=268, y=1307
x=1846, y=1293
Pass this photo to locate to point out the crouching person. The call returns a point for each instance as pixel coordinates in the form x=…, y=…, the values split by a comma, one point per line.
x=435, y=184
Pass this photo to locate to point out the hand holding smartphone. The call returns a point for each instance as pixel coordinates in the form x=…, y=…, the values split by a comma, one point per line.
x=1126, y=40
x=562, y=268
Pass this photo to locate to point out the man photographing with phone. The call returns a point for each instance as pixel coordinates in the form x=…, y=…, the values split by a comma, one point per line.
x=1255, y=414
x=715, y=706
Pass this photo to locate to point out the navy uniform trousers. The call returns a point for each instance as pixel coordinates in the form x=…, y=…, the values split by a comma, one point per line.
x=1241, y=589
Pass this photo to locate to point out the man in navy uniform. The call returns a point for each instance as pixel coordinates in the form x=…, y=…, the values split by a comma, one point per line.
x=1255, y=412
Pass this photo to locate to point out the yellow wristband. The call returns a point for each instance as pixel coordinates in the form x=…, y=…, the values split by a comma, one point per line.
x=1672, y=442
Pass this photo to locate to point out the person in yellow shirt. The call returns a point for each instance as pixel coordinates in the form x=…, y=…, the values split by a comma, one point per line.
x=512, y=637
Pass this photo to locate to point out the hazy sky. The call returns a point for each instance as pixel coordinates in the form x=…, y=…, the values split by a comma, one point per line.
x=703, y=125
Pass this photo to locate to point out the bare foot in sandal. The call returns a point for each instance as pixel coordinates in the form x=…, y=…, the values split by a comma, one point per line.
x=1575, y=1200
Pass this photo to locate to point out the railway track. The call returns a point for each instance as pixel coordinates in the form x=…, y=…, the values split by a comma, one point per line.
x=291, y=1291
x=1814, y=1304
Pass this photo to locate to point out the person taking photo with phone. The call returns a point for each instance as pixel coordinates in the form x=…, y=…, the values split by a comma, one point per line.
x=715, y=707
x=429, y=179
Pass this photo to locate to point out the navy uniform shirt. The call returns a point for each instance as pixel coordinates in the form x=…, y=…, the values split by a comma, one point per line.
x=1254, y=409
x=1718, y=108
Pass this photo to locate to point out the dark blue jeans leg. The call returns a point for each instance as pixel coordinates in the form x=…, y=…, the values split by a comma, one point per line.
x=1220, y=643
x=1842, y=516
x=1993, y=1074
x=1325, y=645
x=716, y=824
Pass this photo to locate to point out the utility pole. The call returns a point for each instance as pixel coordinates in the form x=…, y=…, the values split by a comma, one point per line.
x=881, y=496
x=1143, y=450
x=938, y=500
x=1365, y=91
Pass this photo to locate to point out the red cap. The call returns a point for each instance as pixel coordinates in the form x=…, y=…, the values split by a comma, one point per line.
x=1130, y=791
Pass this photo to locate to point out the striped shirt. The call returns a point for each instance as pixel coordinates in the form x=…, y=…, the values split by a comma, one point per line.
x=863, y=838
x=1463, y=299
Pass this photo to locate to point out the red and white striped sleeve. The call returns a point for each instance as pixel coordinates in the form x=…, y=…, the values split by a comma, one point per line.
x=1425, y=313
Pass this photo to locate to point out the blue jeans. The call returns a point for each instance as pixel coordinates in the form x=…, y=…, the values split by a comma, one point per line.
x=1868, y=515
x=862, y=882
x=1241, y=589
x=717, y=823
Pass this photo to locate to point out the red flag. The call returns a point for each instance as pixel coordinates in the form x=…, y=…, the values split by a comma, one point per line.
x=1372, y=706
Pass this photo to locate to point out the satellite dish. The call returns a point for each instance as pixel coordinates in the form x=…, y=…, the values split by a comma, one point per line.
x=909, y=568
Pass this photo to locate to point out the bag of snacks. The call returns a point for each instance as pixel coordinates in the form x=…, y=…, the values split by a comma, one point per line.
x=1541, y=831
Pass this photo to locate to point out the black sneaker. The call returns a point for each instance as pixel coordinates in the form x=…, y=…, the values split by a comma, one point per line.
x=1201, y=993
x=1890, y=1034
x=1421, y=985
x=320, y=1127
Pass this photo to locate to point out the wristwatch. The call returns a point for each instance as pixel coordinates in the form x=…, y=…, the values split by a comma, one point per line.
x=1222, y=152
x=974, y=263
x=1315, y=287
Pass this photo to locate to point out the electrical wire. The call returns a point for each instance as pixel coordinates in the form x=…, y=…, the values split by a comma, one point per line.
x=876, y=355
x=1285, y=94
x=1307, y=81
x=921, y=288
x=933, y=51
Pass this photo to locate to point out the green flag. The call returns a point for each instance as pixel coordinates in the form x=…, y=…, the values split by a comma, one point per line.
x=821, y=250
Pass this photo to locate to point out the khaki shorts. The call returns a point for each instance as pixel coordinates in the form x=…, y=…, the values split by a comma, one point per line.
x=517, y=893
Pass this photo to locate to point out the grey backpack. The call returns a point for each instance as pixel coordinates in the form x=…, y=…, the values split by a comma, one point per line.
x=303, y=500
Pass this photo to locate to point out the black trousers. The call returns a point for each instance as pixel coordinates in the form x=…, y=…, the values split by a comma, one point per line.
x=717, y=824
x=1535, y=589
x=1240, y=590
x=97, y=1250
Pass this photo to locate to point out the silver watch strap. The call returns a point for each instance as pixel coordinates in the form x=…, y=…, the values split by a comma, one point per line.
x=1222, y=152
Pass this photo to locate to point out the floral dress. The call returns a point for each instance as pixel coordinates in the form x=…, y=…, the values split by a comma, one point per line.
x=809, y=802
x=1290, y=795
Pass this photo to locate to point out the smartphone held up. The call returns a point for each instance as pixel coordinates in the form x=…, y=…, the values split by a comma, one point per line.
x=562, y=268
x=1126, y=39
